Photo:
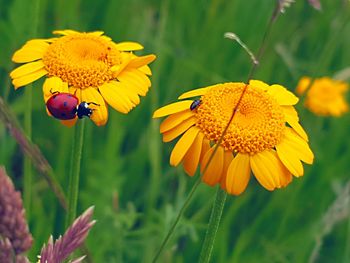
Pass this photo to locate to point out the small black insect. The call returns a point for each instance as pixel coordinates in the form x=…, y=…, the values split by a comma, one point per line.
x=195, y=104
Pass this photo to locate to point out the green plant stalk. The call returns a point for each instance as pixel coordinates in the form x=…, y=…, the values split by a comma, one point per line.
x=73, y=187
x=32, y=151
x=213, y=226
x=347, y=248
x=179, y=215
x=27, y=165
x=155, y=146
x=27, y=171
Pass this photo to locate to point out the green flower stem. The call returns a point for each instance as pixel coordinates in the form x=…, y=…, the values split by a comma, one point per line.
x=179, y=215
x=213, y=226
x=73, y=188
x=27, y=169
x=154, y=140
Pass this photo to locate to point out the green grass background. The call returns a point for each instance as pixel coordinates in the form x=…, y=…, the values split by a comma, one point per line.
x=125, y=170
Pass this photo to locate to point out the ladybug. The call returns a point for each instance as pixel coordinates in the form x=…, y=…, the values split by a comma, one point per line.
x=65, y=106
x=195, y=104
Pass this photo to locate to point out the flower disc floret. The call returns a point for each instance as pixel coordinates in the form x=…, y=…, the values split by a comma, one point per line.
x=82, y=60
x=258, y=124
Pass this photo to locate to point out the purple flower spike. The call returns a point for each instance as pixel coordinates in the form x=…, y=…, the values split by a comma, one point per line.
x=6, y=251
x=13, y=224
x=22, y=259
x=57, y=252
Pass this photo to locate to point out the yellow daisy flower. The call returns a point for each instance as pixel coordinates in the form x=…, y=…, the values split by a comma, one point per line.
x=89, y=65
x=265, y=136
x=325, y=96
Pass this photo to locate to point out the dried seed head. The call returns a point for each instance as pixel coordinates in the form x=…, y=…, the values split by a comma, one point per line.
x=6, y=251
x=13, y=224
x=58, y=251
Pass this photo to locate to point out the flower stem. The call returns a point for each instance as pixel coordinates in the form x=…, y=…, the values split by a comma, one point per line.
x=179, y=215
x=27, y=165
x=154, y=141
x=27, y=169
x=73, y=188
x=213, y=226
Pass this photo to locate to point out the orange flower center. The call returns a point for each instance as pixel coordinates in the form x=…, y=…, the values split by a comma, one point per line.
x=258, y=124
x=82, y=60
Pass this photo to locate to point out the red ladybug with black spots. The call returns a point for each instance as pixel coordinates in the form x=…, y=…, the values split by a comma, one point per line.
x=65, y=106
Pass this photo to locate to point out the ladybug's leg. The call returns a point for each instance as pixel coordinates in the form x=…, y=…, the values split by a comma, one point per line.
x=53, y=93
x=88, y=103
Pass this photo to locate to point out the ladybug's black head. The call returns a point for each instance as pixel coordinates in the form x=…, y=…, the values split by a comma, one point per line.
x=84, y=110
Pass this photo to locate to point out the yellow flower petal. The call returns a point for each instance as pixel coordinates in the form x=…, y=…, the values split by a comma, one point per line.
x=100, y=114
x=297, y=127
x=178, y=130
x=96, y=33
x=282, y=95
x=126, y=58
x=138, y=62
x=54, y=85
x=22, y=81
x=303, y=85
x=172, y=108
x=183, y=145
x=23, y=56
x=174, y=120
x=205, y=148
x=135, y=79
x=128, y=46
x=65, y=32
x=268, y=169
x=32, y=50
x=191, y=159
x=238, y=174
x=76, y=92
x=114, y=96
x=145, y=69
x=290, y=159
x=290, y=113
x=228, y=157
x=213, y=172
x=69, y=123
x=298, y=145
x=194, y=93
x=141, y=77
x=40, y=44
x=129, y=92
x=285, y=179
x=27, y=69
x=259, y=84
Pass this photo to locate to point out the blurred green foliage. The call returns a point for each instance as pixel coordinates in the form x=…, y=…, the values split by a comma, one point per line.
x=125, y=169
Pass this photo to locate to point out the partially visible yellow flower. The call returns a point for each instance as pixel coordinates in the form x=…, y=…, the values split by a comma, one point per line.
x=325, y=96
x=89, y=65
x=265, y=136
